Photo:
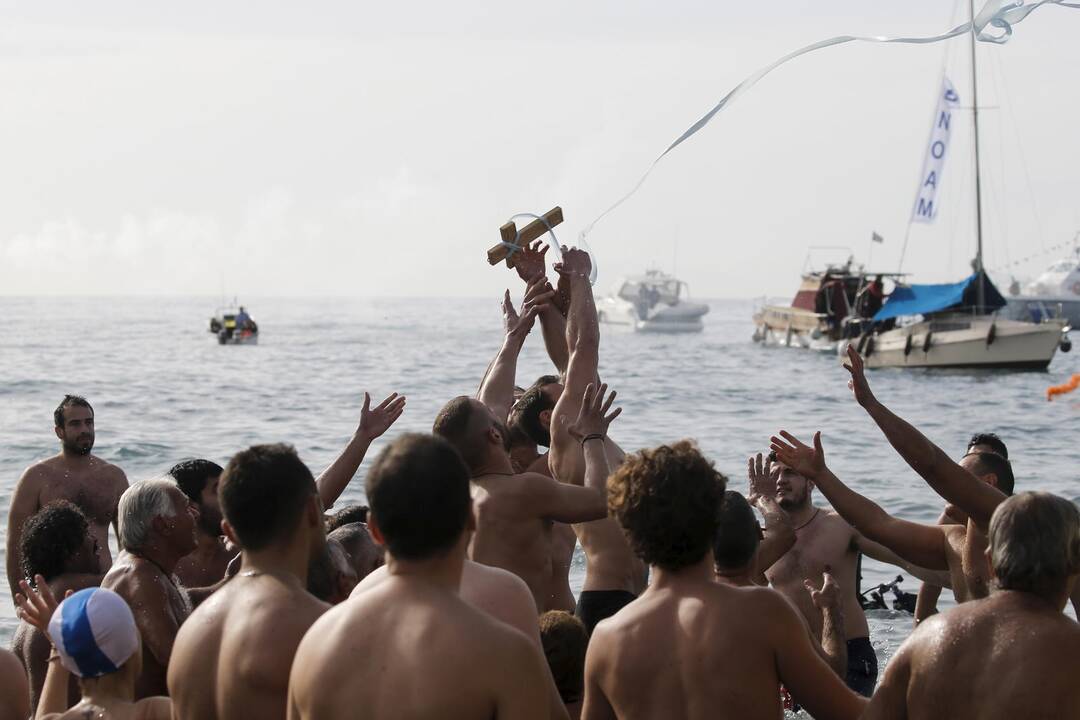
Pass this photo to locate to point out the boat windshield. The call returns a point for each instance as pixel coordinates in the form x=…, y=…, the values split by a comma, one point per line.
x=668, y=291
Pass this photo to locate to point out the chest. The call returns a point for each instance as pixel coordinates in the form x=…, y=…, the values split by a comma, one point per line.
x=93, y=493
x=812, y=552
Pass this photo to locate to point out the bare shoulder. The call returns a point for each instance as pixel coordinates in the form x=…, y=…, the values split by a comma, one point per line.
x=832, y=523
x=493, y=578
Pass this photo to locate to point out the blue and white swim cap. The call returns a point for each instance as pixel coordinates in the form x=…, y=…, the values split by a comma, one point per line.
x=94, y=632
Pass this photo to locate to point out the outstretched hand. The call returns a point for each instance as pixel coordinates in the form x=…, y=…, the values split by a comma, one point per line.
x=762, y=474
x=807, y=461
x=594, y=418
x=529, y=261
x=828, y=597
x=375, y=421
x=858, y=384
x=36, y=605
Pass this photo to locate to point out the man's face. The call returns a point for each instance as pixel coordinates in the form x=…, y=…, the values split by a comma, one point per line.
x=182, y=524
x=87, y=560
x=970, y=462
x=792, y=489
x=551, y=391
x=77, y=433
x=210, y=508
x=492, y=422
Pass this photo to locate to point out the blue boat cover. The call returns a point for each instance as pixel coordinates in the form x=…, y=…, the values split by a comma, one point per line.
x=924, y=299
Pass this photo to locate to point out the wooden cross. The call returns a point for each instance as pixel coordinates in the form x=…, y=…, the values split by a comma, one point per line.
x=530, y=232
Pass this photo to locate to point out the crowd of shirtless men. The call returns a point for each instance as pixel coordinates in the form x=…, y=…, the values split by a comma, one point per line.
x=447, y=595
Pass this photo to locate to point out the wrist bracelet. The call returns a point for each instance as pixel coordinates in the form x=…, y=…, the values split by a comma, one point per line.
x=594, y=436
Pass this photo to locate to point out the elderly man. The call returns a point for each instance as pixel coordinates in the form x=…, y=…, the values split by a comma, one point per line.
x=157, y=528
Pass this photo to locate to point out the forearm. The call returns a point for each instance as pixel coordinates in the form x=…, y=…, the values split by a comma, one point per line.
x=860, y=512
x=582, y=328
x=926, y=602
x=779, y=536
x=553, y=328
x=497, y=390
x=54, y=693
x=335, y=478
x=833, y=640
x=596, y=466
x=923, y=456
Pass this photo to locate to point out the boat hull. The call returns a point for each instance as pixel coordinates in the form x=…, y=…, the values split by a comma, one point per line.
x=984, y=343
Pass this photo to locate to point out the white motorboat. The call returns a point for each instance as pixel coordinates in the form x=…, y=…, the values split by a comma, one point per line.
x=1055, y=293
x=653, y=302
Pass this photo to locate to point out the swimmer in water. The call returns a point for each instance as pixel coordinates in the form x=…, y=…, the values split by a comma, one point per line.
x=1013, y=654
x=75, y=475
x=94, y=637
x=691, y=647
x=414, y=619
x=232, y=657
x=158, y=527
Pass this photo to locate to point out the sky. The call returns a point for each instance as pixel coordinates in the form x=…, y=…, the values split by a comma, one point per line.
x=374, y=149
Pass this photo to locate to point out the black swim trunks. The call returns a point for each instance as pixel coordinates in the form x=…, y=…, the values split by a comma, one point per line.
x=596, y=605
x=862, y=669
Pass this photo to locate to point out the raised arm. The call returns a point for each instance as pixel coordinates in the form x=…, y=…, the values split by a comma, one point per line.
x=779, y=535
x=570, y=503
x=583, y=341
x=949, y=480
x=530, y=266
x=373, y=423
x=830, y=603
x=497, y=388
x=922, y=545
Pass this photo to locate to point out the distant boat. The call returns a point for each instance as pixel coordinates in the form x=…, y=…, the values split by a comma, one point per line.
x=1055, y=293
x=653, y=302
x=224, y=325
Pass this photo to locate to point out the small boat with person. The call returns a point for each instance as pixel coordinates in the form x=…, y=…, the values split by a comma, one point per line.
x=234, y=327
x=653, y=302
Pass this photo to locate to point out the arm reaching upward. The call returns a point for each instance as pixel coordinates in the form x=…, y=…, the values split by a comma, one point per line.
x=922, y=545
x=497, y=388
x=530, y=266
x=779, y=536
x=946, y=477
x=373, y=423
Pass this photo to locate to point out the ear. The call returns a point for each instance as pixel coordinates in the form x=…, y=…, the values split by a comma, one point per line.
x=228, y=532
x=990, y=479
x=545, y=418
x=314, y=510
x=989, y=562
x=376, y=533
x=161, y=524
x=59, y=432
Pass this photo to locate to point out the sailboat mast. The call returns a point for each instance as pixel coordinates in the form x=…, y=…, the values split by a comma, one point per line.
x=981, y=291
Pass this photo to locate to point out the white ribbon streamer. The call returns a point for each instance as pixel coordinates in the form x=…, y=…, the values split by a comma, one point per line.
x=1000, y=15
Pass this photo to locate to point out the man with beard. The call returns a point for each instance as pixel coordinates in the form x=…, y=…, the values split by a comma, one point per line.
x=157, y=528
x=233, y=656
x=75, y=475
x=825, y=542
x=198, y=480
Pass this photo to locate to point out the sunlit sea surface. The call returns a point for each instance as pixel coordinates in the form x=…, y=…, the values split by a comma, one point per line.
x=164, y=390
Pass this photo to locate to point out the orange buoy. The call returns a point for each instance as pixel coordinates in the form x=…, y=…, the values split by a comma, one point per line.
x=1074, y=382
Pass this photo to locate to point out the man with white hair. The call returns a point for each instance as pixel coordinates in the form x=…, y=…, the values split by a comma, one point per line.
x=157, y=526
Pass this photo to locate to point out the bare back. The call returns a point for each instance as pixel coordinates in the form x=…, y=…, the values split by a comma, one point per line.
x=406, y=649
x=511, y=535
x=1008, y=656
x=711, y=651
x=232, y=657
x=827, y=540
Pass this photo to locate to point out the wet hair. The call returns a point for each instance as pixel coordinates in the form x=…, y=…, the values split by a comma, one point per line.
x=263, y=492
x=347, y=515
x=364, y=554
x=418, y=489
x=992, y=441
x=987, y=463
x=51, y=537
x=737, y=533
x=323, y=570
x=667, y=501
x=191, y=477
x=526, y=415
x=565, y=640
x=139, y=505
x=457, y=424
x=1035, y=543
x=69, y=401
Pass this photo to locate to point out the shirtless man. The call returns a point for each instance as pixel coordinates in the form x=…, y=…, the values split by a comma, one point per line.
x=58, y=546
x=438, y=655
x=198, y=480
x=157, y=528
x=361, y=551
x=75, y=475
x=825, y=539
x=691, y=647
x=613, y=574
x=515, y=511
x=14, y=689
x=331, y=576
x=1013, y=654
x=93, y=638
x=232, y=658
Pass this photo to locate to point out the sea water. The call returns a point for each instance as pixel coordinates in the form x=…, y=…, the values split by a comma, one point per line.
x=164, y=390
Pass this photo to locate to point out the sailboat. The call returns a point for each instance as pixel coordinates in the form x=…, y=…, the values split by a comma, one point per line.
x=957, y=324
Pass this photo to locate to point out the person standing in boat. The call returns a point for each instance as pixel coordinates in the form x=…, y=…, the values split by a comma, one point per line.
x=243, y=320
